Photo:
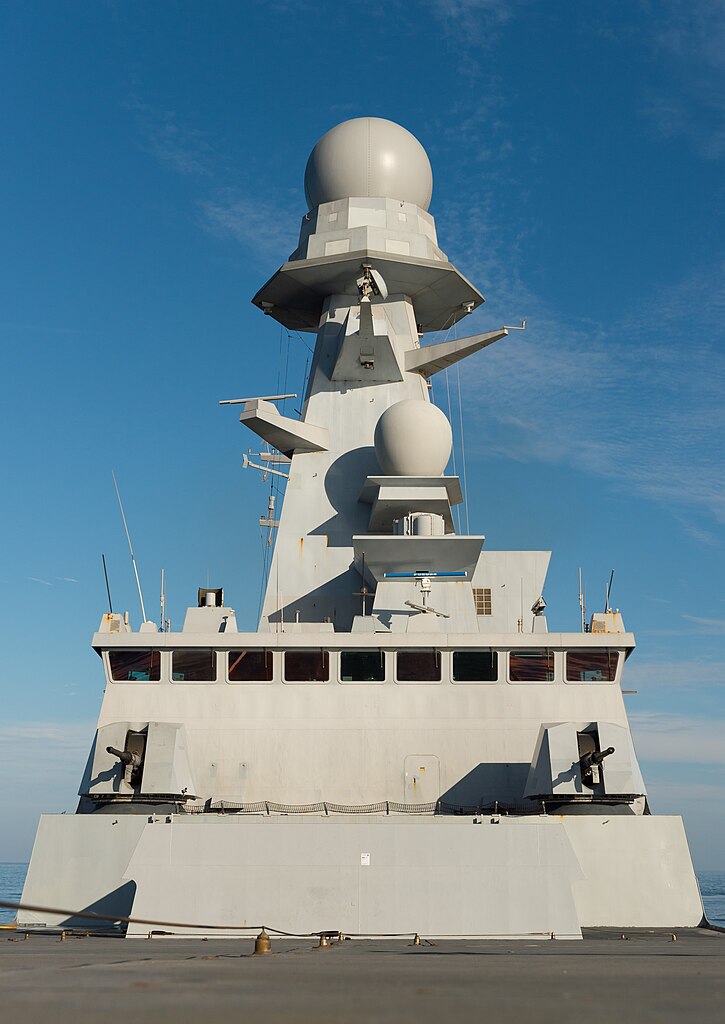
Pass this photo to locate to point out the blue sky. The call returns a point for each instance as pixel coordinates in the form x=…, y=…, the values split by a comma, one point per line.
x=152, y=181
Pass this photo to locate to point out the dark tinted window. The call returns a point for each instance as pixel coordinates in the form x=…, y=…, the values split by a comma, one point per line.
x=362, y=666
x=306, y=666
x=535, y=665
x=135, y=666
x=418, y=666
x=475, y=666
x=250, y=666
x=193, y=666
x=591, y=666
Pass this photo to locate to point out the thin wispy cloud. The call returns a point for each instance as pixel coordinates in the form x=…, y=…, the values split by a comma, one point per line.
x=679, y=739
x=672, y=673
x=37, y=579
x=688, y=39
x=659, y=425
x=707, y=625
x=263, y=228
x=182, y=148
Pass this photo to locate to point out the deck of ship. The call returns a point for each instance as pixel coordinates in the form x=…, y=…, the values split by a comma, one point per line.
x=611, y=976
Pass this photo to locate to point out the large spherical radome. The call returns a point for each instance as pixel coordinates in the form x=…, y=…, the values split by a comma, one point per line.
x=413, y=438
x=368, y=157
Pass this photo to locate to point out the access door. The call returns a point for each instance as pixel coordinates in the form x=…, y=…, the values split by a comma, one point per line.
x=422, y=778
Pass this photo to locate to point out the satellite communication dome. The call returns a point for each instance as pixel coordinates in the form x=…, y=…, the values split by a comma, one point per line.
x=413, y=438
x=368, y=157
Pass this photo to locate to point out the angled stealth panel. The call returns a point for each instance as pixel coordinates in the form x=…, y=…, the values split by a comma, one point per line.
x=555, y=767
x=434, y=358
x=166, y=768
x=620, y=771
x=365, y=357
x=282, y=432
x=390, y=553
x=440, y=294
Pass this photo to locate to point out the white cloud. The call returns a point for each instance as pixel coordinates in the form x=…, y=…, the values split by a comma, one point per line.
x=266, y=229
x=183, y=149
x=671, y=738
x=674, y=673
x=649, y=417
x=688, y=38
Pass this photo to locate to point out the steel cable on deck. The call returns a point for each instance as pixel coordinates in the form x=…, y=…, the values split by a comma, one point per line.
x=92, y=916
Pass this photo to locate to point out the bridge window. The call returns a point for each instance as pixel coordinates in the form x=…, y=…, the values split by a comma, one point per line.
x=591, y=666
x=531, y=665
x=475, y=666
x=250, y=666
x=135, y=666
x=306, y=666
x=193, y=666
x=362, y=666
x=418, y=666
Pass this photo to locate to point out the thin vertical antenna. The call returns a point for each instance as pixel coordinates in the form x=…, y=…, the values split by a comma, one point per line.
x=609, y=591
x=108, y=589
x=163, y=601
x=130, y=546
x=453, y=450
x=463, y=447
x=582, y=604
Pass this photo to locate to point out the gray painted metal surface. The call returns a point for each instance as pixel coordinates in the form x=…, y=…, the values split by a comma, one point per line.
x=402, y=744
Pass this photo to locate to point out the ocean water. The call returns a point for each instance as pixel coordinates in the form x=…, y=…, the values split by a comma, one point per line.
x=12, y=877
x=712, y=887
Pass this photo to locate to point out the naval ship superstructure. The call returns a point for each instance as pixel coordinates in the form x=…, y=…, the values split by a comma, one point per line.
x=402, y=746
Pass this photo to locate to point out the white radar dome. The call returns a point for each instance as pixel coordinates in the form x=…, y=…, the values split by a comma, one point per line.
x=413, y=438
x=368, y=157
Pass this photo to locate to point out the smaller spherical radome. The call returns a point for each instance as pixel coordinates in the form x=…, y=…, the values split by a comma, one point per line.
x=368, y=157
x=413, y=438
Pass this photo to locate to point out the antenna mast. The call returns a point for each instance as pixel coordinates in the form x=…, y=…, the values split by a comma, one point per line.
x=108, y=589
x=609, y=591
x=164, y=621
x=130, y=546
x=582, y=603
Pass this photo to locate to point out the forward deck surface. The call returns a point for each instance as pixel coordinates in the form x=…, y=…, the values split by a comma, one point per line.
x=645, y=977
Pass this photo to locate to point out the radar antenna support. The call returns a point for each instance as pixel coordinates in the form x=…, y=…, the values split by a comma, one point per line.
x=582, y=603
x=130, y=546
x=363, y=591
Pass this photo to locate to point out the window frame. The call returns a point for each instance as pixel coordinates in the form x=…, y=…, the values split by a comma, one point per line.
x=419, y=650
x=532, y=682
x=382, y=652
x=616, y=652
x=476, y=650
x=325, y=651
x=136, y=650
x=194, y=682
x=270, y=651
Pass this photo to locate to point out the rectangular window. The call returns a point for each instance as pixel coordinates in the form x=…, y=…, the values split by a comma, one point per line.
x=306, y=666
x=362, y=666
x=533, y=665
x=475, y=666
x=250, y=666
x=591, y=666
x=193, y=666
x=134, y=666
x=418, y=666
x=482, y=597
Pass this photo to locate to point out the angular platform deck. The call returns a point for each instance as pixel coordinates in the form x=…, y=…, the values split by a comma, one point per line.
x=643, y=977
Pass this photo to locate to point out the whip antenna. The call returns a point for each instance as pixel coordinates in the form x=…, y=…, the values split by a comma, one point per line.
x=130, y=546
x=609, y=591
x=108, y=589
